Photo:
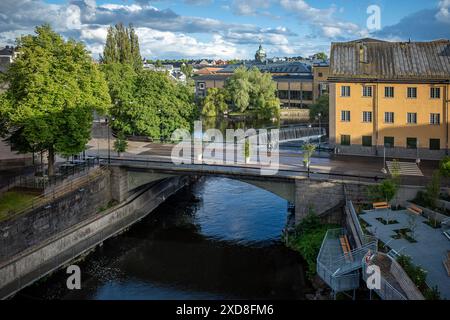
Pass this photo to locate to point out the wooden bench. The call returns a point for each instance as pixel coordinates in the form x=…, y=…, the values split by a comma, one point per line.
x=415, y=210
x=345, y=245
x=380, y=205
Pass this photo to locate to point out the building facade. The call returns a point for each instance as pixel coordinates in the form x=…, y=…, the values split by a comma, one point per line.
x=298, y=84
x=390, y=98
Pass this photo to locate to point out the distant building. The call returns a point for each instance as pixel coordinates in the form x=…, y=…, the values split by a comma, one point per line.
x=7, y=55
x=295, y=81
x=390, y=96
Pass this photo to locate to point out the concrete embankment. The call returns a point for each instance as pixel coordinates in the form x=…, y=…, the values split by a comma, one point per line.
x=61, y=248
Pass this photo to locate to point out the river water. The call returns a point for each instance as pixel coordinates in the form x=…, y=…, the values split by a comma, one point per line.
x=217, y=239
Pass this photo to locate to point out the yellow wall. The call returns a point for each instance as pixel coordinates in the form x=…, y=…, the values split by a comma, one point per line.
x=423, y=105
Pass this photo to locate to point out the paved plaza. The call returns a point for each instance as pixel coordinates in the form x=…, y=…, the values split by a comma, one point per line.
x=429, y=250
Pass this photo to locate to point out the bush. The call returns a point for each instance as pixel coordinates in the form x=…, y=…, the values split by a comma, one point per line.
x=444, y=167
x=416, y=273
x=385, y=191
x=307, y=240
x=432, y=294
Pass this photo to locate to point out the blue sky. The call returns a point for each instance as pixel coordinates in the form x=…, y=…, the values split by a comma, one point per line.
x=228, y=29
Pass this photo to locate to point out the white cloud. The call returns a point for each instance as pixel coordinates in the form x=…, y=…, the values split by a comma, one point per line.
x=443, y=14
x=249, y=7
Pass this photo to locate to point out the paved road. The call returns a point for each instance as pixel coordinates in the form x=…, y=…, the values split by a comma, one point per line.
x=322, y=162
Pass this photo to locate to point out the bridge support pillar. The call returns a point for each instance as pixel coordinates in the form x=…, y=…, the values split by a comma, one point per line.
x=319, y=197
x=119, y=183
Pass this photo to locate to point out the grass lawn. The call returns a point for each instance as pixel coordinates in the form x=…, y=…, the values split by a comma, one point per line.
x=13, y=201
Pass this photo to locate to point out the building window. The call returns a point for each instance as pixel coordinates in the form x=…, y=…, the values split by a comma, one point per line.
x=435, y=93
x=320, y=74
x=345, y=116
x=412, y=92
x=435, y=118
x=345, y=91
x=283, y=94
x=345, y=140
x=201, y=85
x=389, y=142
x=295, y=95
x=367, y=116
x=367, y=141
x=411, y=117
x=367, y=91
x=389, y=92
x=411, y=143
x=389, y=117
x=307, y=95
x=435, y=144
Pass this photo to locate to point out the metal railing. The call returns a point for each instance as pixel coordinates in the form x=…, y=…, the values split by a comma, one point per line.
x=66, y=186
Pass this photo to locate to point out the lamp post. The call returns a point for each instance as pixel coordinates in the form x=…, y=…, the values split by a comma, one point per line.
x=109, y=140
x=160, y=125
x=384, y=160
x=319, y=115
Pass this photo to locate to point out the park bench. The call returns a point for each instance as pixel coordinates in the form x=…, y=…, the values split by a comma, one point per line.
x=415, y=210
x=345, y=245
x=380, y=205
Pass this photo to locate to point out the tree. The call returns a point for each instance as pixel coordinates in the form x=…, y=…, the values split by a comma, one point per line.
x=215, y=104
x=121, y=144
x=238, y=86
x=253, y=90
x=321, y=56
x=122, y=46
x=54, y=88
x=187, y=69
x=444, y=167
x=308, y=151
x=433, y=189
x=320, y=106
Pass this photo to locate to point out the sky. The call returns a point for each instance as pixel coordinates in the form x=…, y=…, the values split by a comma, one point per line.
x=219, y=29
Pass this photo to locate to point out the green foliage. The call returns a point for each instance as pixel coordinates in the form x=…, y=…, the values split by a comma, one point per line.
x=13, y=201
x=54, y=87
x=385, y=191
x=247, y=148
x=121, y=144
x=122, y=46
x=308, y=150
x=187, y=69
x=215, y=103
x=444, y=167
x=320, y=106
x=416, y=273
x=433, y=189
x=321, y=56
x=253, y=90
x=307, y=240
x=432, y=294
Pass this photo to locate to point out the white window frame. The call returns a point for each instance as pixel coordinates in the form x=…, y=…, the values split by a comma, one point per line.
x=433, y=91
x=413, y=89
x=386, y=91
x=411, y=116
x=201, y=85
x=369, y=90
x=434, y=117
x=344, y=114
x=386, y=117
x=345, y=91
x=367, y=116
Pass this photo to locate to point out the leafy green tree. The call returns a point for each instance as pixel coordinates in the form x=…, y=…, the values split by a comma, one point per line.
x=238, y=86
x=215, y=102
x=121, y=144
x=444, y=167
x=54, y=88
x=187, y=69
x=122, y=46
x=321, y=56
x=433, y=190
x=308, y=151
x=320, y=106
x=253, y=90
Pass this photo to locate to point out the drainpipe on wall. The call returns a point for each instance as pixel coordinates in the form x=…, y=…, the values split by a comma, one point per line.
x=446, y=101
x=375, y=117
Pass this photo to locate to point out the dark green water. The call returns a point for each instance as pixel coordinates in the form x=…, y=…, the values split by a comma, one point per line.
x=219, y=239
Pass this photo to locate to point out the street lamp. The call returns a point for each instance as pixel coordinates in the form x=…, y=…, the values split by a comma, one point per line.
x=384, y=160
x=319, y=115
x=160, y=125
x=109, y=140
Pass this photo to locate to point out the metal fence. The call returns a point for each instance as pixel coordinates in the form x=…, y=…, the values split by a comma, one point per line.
x=65, y=186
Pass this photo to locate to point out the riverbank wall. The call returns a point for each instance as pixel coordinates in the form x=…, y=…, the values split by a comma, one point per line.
x=62, y=247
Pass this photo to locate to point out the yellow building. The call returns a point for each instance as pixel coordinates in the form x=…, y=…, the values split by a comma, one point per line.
x=390, y=96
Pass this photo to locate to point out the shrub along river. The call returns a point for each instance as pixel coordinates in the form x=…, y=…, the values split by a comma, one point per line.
x=217, y=239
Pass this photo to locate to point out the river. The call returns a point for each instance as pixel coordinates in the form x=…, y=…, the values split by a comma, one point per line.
x=217, y=239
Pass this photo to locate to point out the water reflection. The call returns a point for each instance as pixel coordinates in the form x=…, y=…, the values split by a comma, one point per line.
x=219, y=239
